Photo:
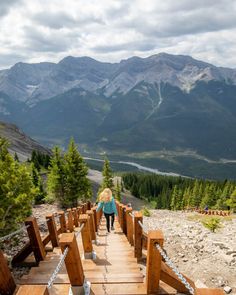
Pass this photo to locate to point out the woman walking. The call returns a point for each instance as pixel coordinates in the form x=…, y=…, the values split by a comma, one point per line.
x=107, y=204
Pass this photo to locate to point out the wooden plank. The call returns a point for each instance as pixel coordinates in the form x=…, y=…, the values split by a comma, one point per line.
x=127, y=289
x=29, y=290
x=43, y=279
x=170, y=278
x=22, y=254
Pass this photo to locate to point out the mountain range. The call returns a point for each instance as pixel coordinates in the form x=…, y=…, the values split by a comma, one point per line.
x=167, y=110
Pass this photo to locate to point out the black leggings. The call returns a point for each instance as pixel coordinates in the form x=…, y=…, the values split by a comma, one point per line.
x=107, y=216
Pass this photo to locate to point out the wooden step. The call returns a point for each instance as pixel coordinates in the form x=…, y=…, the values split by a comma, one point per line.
x=93, y=277
x=50, y=267
x=128, y=289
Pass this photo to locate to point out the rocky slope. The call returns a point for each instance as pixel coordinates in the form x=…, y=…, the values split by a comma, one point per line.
x=20, y=143
x=207, y=258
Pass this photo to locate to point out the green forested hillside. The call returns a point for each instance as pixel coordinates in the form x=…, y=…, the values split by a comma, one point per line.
x=179, y=193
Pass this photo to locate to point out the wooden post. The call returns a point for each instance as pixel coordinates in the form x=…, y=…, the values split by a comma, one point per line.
x=7, y=283
x=86, y=237
x=62, y=219
x=52, y=230
x=72, y=261
x=95, y=218
x=75, y=215
x=79, y=211
x=138, y=231
x=35, y=239
x=88, y=205
x=70, y=224
x=129, y=223
x=98, y=217
x=84, y=208
x=153, y=272
x=92, y=226
x=117, y=208
x=121, y=216
x=123, y=210
x=33, y=289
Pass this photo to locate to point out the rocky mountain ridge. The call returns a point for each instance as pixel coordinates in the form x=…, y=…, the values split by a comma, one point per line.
x=170, y=104
x=32, y=83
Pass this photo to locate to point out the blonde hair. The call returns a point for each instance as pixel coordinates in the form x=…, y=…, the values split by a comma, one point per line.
x=105, y=196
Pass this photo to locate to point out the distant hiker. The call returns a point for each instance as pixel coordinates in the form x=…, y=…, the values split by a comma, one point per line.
x=206, y=209
x=108, y=205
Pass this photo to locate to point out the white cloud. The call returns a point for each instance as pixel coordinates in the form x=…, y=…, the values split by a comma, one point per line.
x=110, y=30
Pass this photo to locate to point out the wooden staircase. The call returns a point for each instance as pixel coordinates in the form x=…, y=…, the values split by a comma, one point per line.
x=114, y=270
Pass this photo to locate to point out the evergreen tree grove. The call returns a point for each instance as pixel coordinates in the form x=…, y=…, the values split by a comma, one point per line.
x=67, y=179
x=16, y=191
x=178, y=193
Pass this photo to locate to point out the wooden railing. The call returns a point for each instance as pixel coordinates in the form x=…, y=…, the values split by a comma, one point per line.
x=156, y=268
x=131, y=225
x=213, y=212
x=208, y=211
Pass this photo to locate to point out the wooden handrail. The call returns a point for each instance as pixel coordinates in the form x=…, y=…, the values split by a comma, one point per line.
x=156, y=269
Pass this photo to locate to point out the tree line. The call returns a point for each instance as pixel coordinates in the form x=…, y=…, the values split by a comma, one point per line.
x=178, y=193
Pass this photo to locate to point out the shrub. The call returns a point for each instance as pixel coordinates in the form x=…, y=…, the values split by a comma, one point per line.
x=146, y=212
x=212, y=223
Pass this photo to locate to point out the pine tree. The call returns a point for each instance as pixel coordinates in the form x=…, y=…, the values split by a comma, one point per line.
x=78, y=186
x=38, y=184
x=16, y=191
x=118, y=191
x=16, y=157
x=232, y=201
x=107, y=181
x=57, y=178
x=35, y=160
x=174, y=198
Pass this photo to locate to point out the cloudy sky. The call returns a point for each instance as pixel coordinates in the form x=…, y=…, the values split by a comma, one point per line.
x=111, y=30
